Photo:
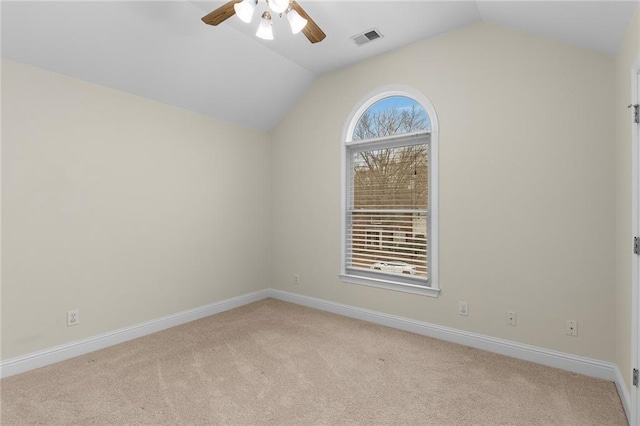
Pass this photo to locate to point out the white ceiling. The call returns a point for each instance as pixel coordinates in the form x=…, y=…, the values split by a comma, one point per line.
x=161, y=50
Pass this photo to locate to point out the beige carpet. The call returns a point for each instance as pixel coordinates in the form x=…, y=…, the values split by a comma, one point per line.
x=276, y=363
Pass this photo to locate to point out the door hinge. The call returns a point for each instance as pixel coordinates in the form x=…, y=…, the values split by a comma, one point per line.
x=636, y=245
x=636, y=112
x=635, y=377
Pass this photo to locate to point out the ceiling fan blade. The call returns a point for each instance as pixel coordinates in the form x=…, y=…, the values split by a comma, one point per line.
x=221, y=14
x=312, y=31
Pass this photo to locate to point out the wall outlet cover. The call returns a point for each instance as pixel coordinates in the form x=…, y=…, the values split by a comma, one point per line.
x=73, y=317
x=463, y=308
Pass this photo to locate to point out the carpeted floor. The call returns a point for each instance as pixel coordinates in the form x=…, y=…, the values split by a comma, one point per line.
x=273, y=362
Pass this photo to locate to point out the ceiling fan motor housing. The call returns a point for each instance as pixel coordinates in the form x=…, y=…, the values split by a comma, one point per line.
x=278, y=6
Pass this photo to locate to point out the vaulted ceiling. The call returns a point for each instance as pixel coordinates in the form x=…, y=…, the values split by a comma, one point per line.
x=162, y=50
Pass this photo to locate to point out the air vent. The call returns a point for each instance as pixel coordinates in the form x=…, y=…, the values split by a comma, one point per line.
x=366, y=37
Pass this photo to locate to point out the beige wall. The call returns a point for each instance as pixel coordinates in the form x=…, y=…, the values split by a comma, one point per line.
x=526, y=186
x=120, y=206
x=629, y=52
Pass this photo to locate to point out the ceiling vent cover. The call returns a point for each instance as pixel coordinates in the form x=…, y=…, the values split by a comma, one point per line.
x=366, y=37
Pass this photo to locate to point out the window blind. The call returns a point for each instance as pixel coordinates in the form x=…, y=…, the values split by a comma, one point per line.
x=388, y=208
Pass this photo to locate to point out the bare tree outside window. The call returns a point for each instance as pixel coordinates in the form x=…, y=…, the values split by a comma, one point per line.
x=392, y=121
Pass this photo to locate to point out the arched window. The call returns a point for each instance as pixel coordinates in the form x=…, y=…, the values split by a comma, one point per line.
x=390, y=192
x=394, y=115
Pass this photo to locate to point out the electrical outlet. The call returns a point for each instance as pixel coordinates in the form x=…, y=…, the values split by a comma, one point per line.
x=511, y=318
x=463, y=308
x=571, y=328
x=73, y=317
x=296, y=279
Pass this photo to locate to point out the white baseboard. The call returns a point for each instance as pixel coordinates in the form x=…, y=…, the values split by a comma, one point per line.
x=551, y=358
x=577, y=364
x=39, y=359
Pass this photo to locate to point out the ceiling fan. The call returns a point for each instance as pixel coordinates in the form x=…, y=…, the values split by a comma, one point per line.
x=297, y=17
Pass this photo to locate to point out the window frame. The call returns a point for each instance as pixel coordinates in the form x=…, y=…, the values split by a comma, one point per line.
x=378, y=280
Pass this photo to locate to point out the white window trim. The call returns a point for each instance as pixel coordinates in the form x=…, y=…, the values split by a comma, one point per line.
x=346, y=142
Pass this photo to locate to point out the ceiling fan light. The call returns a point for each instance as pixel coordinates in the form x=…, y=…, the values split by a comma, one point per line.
x=296, y=21
x=244, y=10
x=278, y=6
x=265, y=31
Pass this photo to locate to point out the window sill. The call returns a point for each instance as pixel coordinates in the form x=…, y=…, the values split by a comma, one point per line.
x=390, y=285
